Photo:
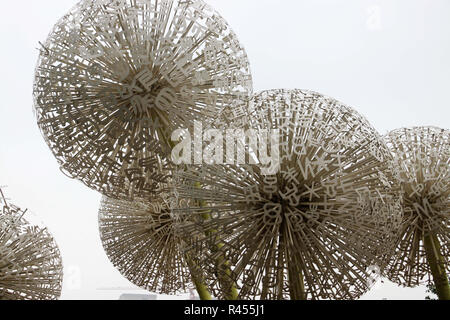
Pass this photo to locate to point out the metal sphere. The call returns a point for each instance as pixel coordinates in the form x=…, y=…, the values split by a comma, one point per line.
x=319, y=225
x=115, y=78
x=30, y=261
x=140, y=240
x=422, y=165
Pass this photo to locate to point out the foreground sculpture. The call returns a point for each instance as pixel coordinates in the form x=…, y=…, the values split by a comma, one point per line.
x=30, y=261
x=115, y=78
x=422, y=163
x=312, y=229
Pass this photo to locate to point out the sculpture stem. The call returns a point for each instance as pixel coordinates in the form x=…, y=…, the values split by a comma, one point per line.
x=224, y=275
x=295, y=273
x=202, y=290
x=437, y=265
x=200, y=286
x=296, y=283
x=220, y=261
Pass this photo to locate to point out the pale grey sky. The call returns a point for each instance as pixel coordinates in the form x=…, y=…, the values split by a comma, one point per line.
x=389, y=59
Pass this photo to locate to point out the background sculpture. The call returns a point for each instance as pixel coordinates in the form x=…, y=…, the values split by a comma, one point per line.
x=115, y=78
x=422, y=165
x=314, y=228
x=141, y=241
x=30, y=261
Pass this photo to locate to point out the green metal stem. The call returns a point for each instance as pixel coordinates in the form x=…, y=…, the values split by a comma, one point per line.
x=200, y=286
x=296, y=283
x=224, y=275
x=437, y=265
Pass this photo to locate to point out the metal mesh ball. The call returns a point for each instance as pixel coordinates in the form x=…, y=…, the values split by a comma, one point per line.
x=115, y=78
x=141, y=241
x=30, y=261
x=316, y=227
x=422, y=165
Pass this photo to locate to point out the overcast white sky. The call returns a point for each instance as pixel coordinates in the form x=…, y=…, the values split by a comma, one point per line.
x=390, y=59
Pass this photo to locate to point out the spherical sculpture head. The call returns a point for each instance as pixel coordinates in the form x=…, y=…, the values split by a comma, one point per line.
x=317, y=213
x=140, y=240
x=115, y=78
x=422, y=167
x=30, y=261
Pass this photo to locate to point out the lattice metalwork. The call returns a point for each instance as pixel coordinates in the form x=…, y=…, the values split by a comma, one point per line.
x=318, y=226
x=140, y=240
x=116, y=77
x=30, y=261
x=422, y=162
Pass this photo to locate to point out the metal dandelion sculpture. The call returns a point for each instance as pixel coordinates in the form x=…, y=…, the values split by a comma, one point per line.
x=30, y=261
x=422, y=163
x=314, y=223
x=116, y=77
x=140, y=240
